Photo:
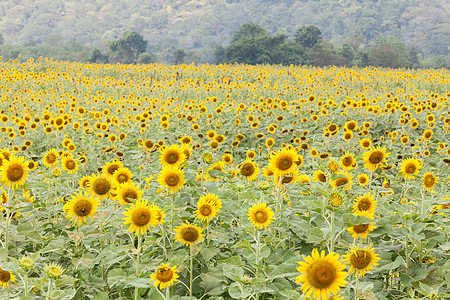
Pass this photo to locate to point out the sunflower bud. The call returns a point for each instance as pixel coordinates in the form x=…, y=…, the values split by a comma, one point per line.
x=53, y=270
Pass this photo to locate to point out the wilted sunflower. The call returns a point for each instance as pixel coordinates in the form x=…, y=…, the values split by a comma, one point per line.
x=348, y=162
x=361, y=230
x=260, y=215
x=321, y=275
x=172, y=156
x=283, y=161
x=365, y=205
x=249, y=169
x=128, y=192
x=80, y=207
x=14, y=171
x=429, y=181
x=122, y=175
x=188, y=234
x=6, y=277
x=172, y=178
x=100, y=185
x=165, y=276
x=410, y=167
x=361, y=260
x=140, y=217
x=374, y=157
x=207, y=209
x=51, y=158
x=69, y=164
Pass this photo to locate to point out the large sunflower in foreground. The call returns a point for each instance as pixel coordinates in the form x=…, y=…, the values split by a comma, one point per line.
x=172, y=178
x=410, y=167
x=260, y=215
x=6, y=277
x=283, y=161
x=321, y=275
x=140, y=217
x=80, y=207
x=365, y=206
x=172, y=156
x=14, y=171
x=188, y=234
x=374, y=157
x=165, y=276
x=361, y=260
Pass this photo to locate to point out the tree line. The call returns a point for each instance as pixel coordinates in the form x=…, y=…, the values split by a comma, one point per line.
x=250, y=44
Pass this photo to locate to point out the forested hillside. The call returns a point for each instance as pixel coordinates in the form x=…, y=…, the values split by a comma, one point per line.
x=201, y=25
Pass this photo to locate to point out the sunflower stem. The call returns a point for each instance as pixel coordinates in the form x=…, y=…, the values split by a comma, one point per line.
x=258, y=249
x=138, y=257
x=356, y=287
x=168, y=293
x=49, y=290
x=332, y=232
x=172, y=207
x=191, y=270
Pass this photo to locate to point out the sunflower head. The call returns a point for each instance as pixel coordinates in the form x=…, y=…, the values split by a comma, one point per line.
x=249, y=169
x=283, y=161
x=374, y=157
x=361, y=230
x=429, y=181
x=6, y=277
x=361, y=260
x=53, y=270
x=100, y=185
x=188, y=234
x=165, y=276
x=140, y=217
x=260, y=215
x=81, y=207
x=14, y=171
x=410, y=167
x=172, y=178
x=172, y=156
x=365, y=206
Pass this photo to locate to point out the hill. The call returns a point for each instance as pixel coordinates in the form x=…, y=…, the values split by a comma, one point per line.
x=201, y=25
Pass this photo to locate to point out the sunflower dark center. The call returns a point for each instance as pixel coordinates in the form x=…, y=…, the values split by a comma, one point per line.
x=189, y=234
x=129, y=194
x=347, y=161
x=164, y=274
x=247, y=169
x=172, y=158
x=360, y=259
x=364, y=204
x=5, y=276
x=366, y=144
x=205, y=210
x=112, y=169
x=82, y=208
x=260, y=216
x=284, y=163
x=410, y=168
x=360, y=228
x=172, y=180
x=141, y=217
x=341, y=181
x=322, y=177
x=101, y=186
x=363, y=180
x=122, y=178
x=376, y=157
x=51, y=158
x=321, y=274
x=70, y=165
x=429, y=181
x=15, y=172
x=287, y=179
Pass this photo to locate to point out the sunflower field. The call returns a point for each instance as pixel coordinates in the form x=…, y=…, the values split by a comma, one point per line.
x=223, y=182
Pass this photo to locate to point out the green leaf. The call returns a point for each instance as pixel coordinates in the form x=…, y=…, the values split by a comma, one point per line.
x=53, y=246
x=101, y=296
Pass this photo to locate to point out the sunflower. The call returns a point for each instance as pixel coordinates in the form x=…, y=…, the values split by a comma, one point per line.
x=81, y=206
x=219, y=166
x=172, y=156
x=51, y=158
x=335, y=199
x=69, y=164
x=140, y=217
x=365, y=206
x=84, y=182
x=283, y=161
x=363, y=179
x=111, y=167
x=6, y=277
x=14, y=171
x=374, y=157
x=320, y=176
x=249, y=169
x=227, y=158
x=128, y=192
x=333, y=166
x=165, y=276
x=287, y=178
x=172, y=178
x=53, y=270
x=343, y=181
x=161, y=215
x=321, y=275
x=270, y=142
x=207, y=209
x=429, y=180
x=348, y=162
x=410, y=167
x=188, y=234
x=361, y=230
x=361, y=260
x=122, y=175
x=100, y=185
x=260, y=215
x=313, y=152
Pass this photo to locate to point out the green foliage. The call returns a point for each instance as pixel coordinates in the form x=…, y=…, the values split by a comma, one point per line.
x=127, y=49
x=388, y=53
x=308, y=36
